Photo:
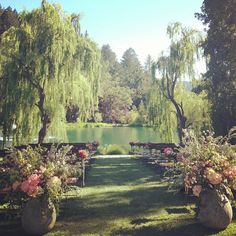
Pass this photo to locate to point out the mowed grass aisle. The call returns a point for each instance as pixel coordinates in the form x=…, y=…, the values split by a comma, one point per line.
x=125, y=197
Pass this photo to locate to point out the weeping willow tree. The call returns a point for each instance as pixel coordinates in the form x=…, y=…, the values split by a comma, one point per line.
x=160, y=113
x=45, y=65
x=178, y=64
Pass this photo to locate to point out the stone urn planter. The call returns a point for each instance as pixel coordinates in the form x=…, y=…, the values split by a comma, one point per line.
x=215, y=210
x=38, y=216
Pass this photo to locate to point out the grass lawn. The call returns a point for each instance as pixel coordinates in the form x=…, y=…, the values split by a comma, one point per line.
x=125, y=197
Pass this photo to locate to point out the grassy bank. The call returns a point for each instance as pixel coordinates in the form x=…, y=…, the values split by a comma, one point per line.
x=105, y=125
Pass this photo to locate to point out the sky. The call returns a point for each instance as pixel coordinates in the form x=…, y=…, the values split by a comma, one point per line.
x=140, y=24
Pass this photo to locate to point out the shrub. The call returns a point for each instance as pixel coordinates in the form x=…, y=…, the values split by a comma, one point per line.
x=112, y=149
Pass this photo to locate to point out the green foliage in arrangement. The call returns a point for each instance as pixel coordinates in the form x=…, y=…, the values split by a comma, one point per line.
x=45, y=66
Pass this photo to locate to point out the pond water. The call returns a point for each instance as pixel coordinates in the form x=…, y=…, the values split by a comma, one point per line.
x=112, y=135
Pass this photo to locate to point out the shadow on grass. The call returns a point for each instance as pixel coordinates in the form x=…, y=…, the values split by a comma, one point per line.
x=11, y=229
x=121, y=189
x=182, y=210
x=130, y=203
x=191, y=229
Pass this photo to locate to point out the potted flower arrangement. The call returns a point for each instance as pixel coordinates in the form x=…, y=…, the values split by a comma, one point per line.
x=206, y=167
x=35, y=179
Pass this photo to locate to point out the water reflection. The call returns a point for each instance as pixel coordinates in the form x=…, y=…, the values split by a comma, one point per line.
x=112, y=135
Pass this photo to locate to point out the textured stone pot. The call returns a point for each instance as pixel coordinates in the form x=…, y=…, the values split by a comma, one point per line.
x=215, y=210
x=38, y=216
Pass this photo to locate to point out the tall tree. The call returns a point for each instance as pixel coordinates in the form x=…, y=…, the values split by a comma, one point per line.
x=45, y=65
x=132, y=75
x=109, y=57
x=220, y=50
x=115, y=104
x=115, y=100
x=148, y=64
x=178, y=64
x=8, y=18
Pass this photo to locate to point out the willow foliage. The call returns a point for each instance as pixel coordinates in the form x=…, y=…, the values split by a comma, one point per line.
x=161, y=114
x=176, y=65
x=45, y=56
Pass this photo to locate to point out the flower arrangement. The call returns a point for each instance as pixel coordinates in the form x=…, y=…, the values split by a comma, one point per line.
x=35, y=172
x=207, y=162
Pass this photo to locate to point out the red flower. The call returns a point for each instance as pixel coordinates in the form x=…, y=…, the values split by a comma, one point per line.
x=83, y=154
x=5, y=190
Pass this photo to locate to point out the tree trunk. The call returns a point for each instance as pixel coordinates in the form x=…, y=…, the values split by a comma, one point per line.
x=45, y=125
x=181, y=119
x=45, y=119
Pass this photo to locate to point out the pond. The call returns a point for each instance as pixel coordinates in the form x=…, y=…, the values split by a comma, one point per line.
x=112, y=135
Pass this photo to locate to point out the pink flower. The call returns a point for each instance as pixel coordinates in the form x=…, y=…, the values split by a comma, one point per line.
x=230, y=172
x=213, y=177
x=197, y=190
x=25, y=186
x=89, y=146
x=71, y=180
x=168, y=151
x=30, y=185
x=16, y=185
x=234, y=170
x=216, y=179
x=33, y=191
x=34, y=179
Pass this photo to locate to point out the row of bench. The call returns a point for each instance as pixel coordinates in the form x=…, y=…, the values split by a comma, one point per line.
x=75, y=147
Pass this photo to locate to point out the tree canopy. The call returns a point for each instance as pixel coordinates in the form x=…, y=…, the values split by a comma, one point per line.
x=45, y=65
